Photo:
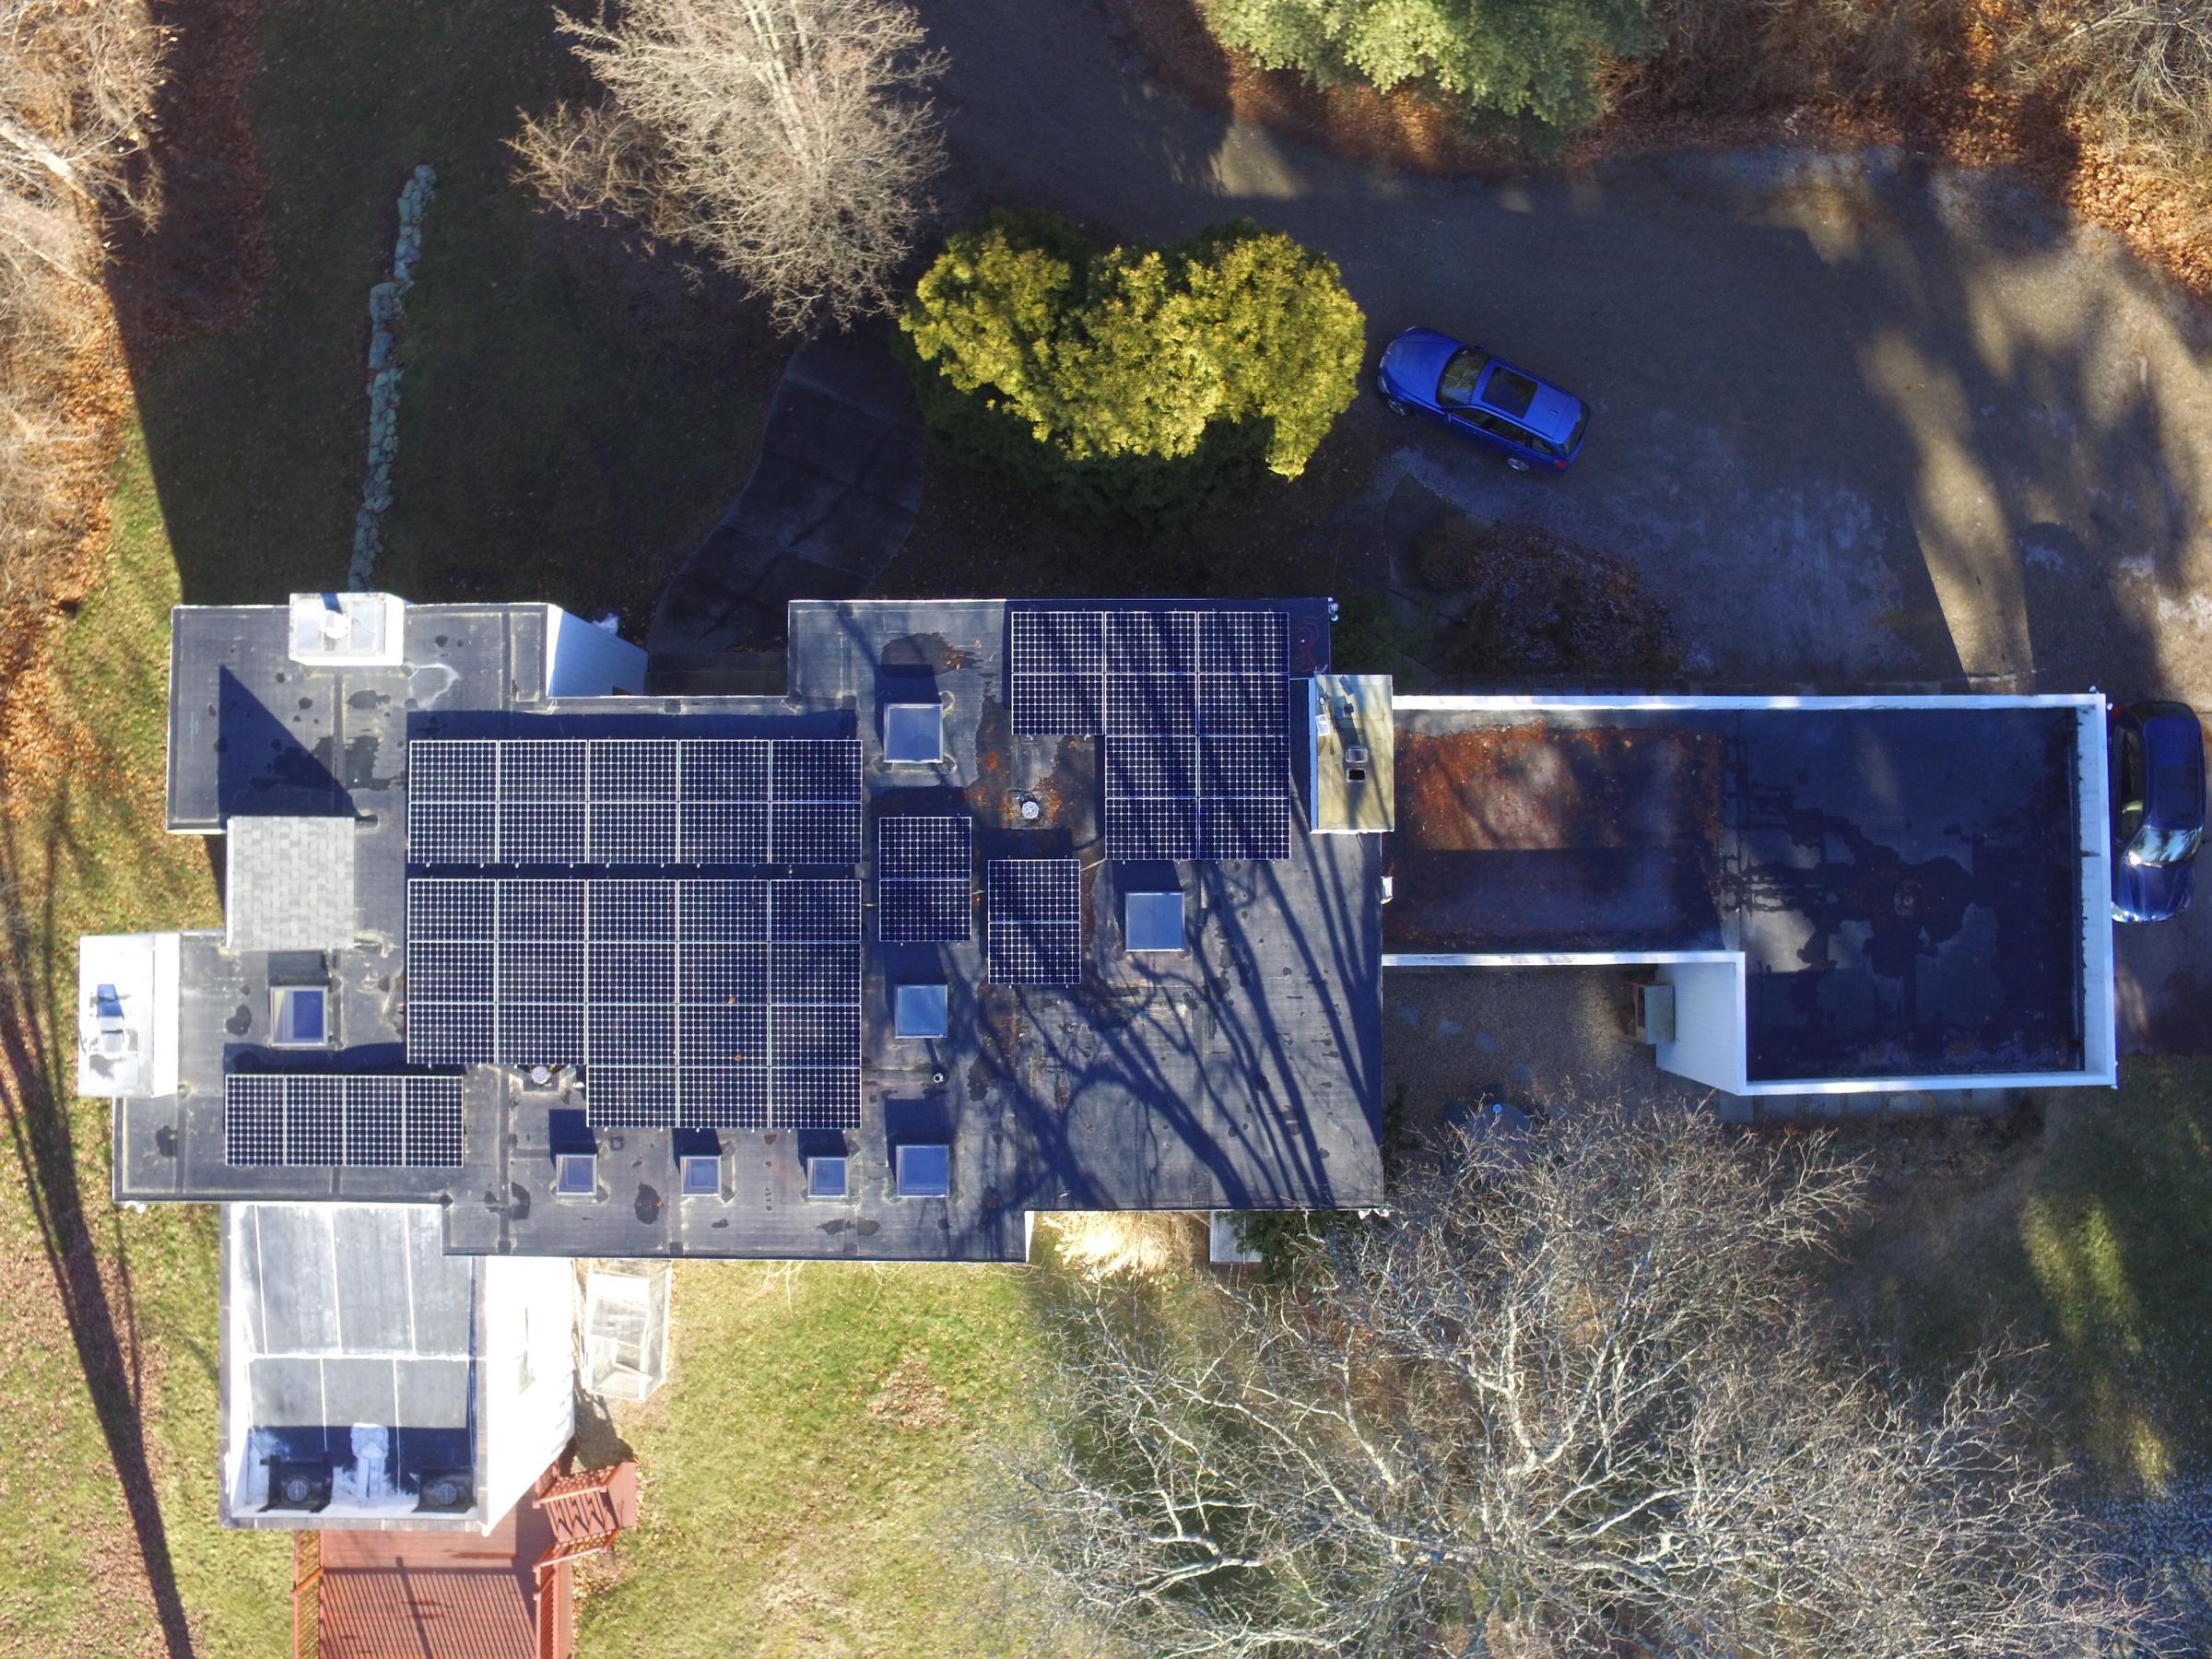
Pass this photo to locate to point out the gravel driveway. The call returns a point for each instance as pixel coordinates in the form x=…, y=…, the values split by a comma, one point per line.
x=1856, y=420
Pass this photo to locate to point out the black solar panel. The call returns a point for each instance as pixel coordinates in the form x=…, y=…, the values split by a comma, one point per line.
x=1035, y=918
x=325, y=1120
x=1194, y=710
x=626, y=802
x=924, y=879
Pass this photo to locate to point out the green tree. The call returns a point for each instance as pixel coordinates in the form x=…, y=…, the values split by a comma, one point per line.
x=1148, y=381
x=1534, y=60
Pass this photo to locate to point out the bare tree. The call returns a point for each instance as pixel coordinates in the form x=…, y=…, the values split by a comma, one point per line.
x=1567, y=1401
x=788, y=138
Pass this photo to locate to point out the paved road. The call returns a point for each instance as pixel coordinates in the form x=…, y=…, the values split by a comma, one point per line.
x=1856, y=420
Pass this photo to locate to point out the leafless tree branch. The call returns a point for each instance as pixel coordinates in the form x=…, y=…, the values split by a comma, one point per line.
x=1567, y=1401
x=791, y=139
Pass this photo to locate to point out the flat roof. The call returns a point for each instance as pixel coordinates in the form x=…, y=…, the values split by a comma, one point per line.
x=1903, y=882
x=1245, y=1073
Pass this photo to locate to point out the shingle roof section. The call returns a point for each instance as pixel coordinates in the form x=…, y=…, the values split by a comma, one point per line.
x=290, y=883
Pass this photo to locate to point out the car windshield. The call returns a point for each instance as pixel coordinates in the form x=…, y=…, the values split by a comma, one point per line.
x=1509, y=392
x=2155, y=847
x=1460, y=377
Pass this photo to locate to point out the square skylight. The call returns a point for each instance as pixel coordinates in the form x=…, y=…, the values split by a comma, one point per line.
x=913, y=734
x=299, y=1017
x=1153, y=921
x=925, y=1172
x=702, y=1176
x=576, y=1175
x=825, y=1178
x=920, y=1011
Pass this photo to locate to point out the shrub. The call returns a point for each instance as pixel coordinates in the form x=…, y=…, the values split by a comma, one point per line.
x=1142, y=382
x=1526, y=60
x=2141, y=69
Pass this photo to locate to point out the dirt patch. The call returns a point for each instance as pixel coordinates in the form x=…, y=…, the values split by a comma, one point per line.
x=1548, y=786
x=912, y=1400
x=1519, y=601
x=1959, y=108
x=1108, y=1246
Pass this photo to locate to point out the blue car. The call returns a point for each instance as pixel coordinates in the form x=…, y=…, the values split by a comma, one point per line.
x=1482, y=397
x=2157, y=755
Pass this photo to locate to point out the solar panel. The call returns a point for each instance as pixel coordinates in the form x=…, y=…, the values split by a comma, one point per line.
x=630, y=1097
x=814, y=832
x=628, y=803
x=924, y=879
x=1035, y=918
x=815, y=769
x=725, y=769
x=452, y=832
x=645, y=983
x=814, y=1099
x=1253, y=766
x=1151, y=828
x=725, y=1097
x=375, y=1120
x=252, y=1121
x=1246, y=829
x=447, y=769
x=328, y=1120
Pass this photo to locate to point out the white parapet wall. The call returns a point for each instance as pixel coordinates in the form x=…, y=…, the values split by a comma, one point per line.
x=585, y=660
x=1711, y=1020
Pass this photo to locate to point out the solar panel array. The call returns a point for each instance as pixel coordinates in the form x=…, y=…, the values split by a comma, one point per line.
x=1194, y=707
x=1035, y=918
x=700, y=1004
x=631, y=801
x=1197, y=798
x=338, y=1119
x=924, y=879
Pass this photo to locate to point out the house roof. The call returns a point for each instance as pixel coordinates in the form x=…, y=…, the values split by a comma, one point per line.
x=289, y=883
x=1245, y=1073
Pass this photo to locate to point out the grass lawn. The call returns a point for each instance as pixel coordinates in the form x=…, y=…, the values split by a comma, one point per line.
x=111, y=1315
x=574, y=415
x=811, y=1467
x=2091, y=1239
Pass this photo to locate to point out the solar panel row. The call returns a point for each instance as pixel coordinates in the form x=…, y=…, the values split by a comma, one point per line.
x=339, y=1119
x=924, y=879
x=633, y=801
x=685, y=1001
x=1197, y=798
x=1086, y=672
x=1035, y=920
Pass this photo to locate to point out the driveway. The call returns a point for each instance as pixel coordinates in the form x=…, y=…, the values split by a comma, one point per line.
x=1857, y=421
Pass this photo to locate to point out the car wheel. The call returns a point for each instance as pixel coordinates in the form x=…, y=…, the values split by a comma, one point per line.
x=1516, y=463
x=1395, y=406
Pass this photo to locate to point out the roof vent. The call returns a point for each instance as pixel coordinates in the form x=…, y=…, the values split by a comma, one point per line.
x=445, y=1492
x=298, y=1484
x=347, y=631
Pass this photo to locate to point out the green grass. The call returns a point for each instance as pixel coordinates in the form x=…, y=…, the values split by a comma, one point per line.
x=2091, y=1240
x=85, y=852
x=572, y=418
x=780, y=1515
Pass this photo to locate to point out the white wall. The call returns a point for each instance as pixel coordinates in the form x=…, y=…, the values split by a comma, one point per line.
x=584, y=660
x=1709, y=1022
x=527, y=1330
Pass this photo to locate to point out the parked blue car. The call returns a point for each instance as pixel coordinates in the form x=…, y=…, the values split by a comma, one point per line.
x=2156, y=756
x=1532, y=423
